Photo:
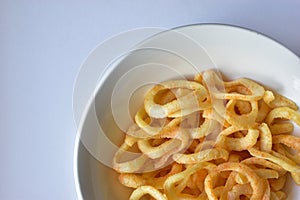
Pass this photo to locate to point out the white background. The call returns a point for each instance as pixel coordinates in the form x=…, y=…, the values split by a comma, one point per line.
x=42, y=45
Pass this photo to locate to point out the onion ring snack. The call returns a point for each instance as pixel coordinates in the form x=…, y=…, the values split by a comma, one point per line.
x=210, y=139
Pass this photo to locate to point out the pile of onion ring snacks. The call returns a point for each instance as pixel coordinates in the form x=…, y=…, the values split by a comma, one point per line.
x=211, y=139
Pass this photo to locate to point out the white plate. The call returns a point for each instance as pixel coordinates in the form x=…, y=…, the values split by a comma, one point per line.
x=235, y=51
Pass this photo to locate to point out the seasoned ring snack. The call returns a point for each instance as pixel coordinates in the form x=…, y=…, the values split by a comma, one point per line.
x=209, y=139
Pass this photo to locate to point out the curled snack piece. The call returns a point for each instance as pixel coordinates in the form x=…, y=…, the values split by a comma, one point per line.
x=279, y=159
x=292, y=154
x=264, y=163
x=195, y=99
x=288, y=140
x=266, y=173
x=291, y=142
x=237, y=144
x=285, y=113
x=281, y=101
x=255, y=181
x=153, y=130
x=178, y=140
x=139, y=120
x=134, y=164
x=255, y=91
x=202, y=156
x=174, y=185
x=146, y=189
x=265, y=137
x=241, y=120
x=155, y=179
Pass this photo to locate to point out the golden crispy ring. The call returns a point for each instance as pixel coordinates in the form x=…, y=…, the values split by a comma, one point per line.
x=187, y=111
x=139, y=120
x=154, y=179
x=237, y=144
x=146, y=189
x=152, y=130
x=202, y=156
x=244, y=120
x=288, y=140
x=167, y=95
x=215, y=86
x=265, y=137
x=256, y=91
x=179, y=140
x=128, y=166
x=266, y=173
x=283, y=112
x=264, y=163
x=238, y=89
x=281, y=101
x=176, y=183
x=256, y=183
x=295, y=158
x=279, y=159
x=205, y=128
x=198, y=96
x=284, y=151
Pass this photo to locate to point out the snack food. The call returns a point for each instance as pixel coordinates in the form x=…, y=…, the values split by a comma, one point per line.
x=211, y=139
